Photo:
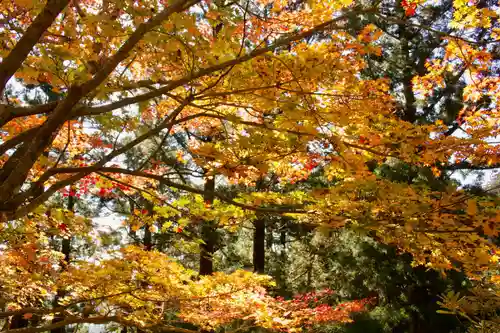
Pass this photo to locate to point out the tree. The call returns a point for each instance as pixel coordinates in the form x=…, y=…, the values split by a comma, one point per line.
x=286, y=100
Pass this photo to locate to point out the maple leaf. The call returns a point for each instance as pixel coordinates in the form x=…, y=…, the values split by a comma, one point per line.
x=410, y=10
x=294, y=105
x=409, y=7
x=471, y=207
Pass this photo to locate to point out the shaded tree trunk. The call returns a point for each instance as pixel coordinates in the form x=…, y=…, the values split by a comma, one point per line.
x=148, y=243
x=148, y=237
x=259, y=243
x=18, y=321
x=259, y=237
x=207, y=232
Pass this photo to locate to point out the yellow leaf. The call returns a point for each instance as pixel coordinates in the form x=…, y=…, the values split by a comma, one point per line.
x=471, y=207
x=488, y=231
x=166, y=226
x=482, y=257
x=224, y=219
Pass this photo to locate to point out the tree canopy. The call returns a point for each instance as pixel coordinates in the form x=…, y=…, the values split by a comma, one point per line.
x=188, y=117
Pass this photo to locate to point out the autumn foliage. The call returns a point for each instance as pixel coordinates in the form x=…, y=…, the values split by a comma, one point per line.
x=235, y=90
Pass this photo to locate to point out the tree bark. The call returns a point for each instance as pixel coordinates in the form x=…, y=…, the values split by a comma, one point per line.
x=17, y=167
x=16, y=57
x=148, y=243
x=259, y=241
x=148, y=236
x=207, y=232
x=17, y=322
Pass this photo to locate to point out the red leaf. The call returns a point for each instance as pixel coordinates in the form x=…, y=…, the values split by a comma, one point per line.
x=410, y=10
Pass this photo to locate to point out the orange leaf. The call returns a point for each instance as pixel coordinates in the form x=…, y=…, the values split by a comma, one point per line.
x=471, y=207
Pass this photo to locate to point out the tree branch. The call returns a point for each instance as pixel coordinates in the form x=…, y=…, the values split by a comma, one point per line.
x=63, y=323
x=16, y=57
x=209, y=70
x=469, y=166
x=18, y=139
x=15, y=170
x=86, y=111
x=166, y=124
x=9, y=112
x=6, y=314
x=170, y=183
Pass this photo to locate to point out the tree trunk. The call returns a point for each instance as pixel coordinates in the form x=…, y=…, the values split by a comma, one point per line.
x=259, y=236
x=18, y=321
x=148, y=243
x=207, y=232
x=11, y=63
x=148, y=237
x=259, y=241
